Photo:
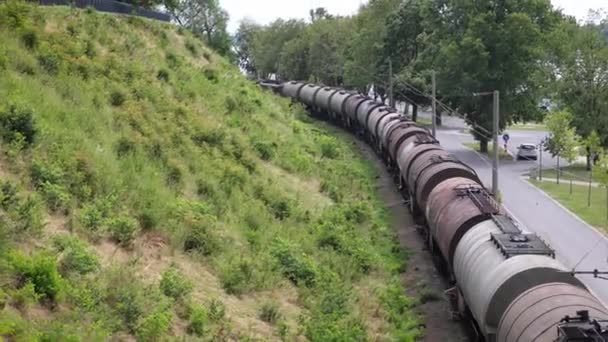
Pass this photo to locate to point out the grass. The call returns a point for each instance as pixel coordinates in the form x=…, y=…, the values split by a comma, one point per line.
x=150, y=191
x=529, y=126
x=575, y=172
x=502, y=154
x=594, y=215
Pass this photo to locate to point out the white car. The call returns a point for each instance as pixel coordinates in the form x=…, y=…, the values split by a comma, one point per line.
x=527, y=152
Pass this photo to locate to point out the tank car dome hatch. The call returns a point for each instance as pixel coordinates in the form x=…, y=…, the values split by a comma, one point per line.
x=528, y=317
x=407, y=146
x=292, y=89
x=363, y=112
x=307, y=94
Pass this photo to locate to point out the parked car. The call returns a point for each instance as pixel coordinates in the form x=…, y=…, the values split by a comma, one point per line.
x=527, y=152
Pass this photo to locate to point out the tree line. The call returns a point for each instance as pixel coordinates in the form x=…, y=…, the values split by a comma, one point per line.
x=537, y=57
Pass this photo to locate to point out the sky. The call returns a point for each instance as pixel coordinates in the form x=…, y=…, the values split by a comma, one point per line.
x=265, y=11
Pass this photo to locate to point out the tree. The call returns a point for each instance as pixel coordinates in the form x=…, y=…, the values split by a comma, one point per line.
x=563, y=140
x=327, y=43
x=318, y=14
x=484, y=46
x=584, y=84
x=243, y=45
x=364, y=55
x=269, y=42
x=593, y=148
x=206, y=19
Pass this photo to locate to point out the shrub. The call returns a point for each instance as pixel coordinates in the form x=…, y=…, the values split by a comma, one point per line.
x=236, y=277
x=30, y=215
x=40, y=270
x=128, y=302
x=265, y=149
x=49, y=61
x=174, y=176
x=299, y=269
x=198, y=320
x=163, y=75
x=8, y=194
x=269, y=312
x=211, y=137
x=29, y=37
x=90, y=217
x=89, y=49
x=24, y=297
x=217, y=310
x=154, y=326
x=174, y=284
x=124, y=146
x=56, y=196
x=117, y=98
x=173, y=61
x=329, y=147
x=123, y=229
x=231, y=103
x=211, y=74
x=75, y=256
x=192, y=48
x=17, y=119
x=201, y=236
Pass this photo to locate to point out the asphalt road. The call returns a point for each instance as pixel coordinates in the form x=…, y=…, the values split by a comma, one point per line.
x=576, y=243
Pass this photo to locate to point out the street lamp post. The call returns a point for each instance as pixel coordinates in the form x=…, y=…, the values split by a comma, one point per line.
x=495, y=109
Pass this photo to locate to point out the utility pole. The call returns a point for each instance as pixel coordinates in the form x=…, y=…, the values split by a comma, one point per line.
x=391, y=99
x=540, y=165
x=434, y=114
x=496, y=126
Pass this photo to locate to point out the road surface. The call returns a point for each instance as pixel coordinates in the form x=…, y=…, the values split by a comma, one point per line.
x=576, y=243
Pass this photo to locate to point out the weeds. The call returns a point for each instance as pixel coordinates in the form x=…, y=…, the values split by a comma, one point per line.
x=269, y=312
x=174, y=284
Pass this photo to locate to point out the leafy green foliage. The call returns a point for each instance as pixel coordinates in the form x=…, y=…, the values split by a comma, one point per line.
x=123, y=229
x=74, y=255
x=269, y=312
x=40, y=270
x=563, y=140
x=17, y=121
x=174, y=284
x=198, y=320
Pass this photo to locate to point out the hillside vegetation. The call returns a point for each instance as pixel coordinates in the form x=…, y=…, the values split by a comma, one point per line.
x=149, y=191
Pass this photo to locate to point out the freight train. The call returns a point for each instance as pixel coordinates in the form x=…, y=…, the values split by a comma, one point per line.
x=507, y=281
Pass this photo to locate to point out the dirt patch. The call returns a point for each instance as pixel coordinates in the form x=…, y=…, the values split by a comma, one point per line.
x=420, y=267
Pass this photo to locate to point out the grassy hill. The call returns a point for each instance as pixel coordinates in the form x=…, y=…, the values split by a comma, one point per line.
x=148, y=191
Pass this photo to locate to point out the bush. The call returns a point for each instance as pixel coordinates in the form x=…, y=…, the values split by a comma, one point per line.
x=236, y=277
x=174, y=284
x=265, y=149
x=329, y=147
x=123, y=229
x=299, y=269
x=57, y=197
x=29, y=37
x=154, y=326
x=117, y=98
x=163, y=75
x=201, y=236
x=124, y=147
x=75, y=256
x=198, y=321
x=211, y=137
x=89, y=49
x=17, y=119
x=192, y=48
x=90, y=217
x=269, y=312
x=217, y=310
x=231, y=103
x=40, y=270
x=24, y=297
x=211, y=74
x=174, y=176
x=49, y=61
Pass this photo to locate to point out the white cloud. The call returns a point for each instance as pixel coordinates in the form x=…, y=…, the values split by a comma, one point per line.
x=265, y=11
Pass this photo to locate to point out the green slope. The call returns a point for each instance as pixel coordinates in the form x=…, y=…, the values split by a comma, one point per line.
x=149, y=191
